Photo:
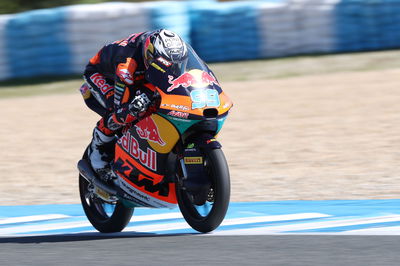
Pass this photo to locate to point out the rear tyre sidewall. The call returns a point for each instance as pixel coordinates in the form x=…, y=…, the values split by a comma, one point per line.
x=115, y=223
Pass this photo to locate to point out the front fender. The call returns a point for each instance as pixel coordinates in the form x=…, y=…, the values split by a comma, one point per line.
x=203, y=140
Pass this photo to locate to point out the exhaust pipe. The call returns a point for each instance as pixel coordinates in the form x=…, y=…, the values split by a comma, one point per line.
x=87, y=172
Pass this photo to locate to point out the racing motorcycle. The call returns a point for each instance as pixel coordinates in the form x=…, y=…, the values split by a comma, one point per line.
x=170, y=158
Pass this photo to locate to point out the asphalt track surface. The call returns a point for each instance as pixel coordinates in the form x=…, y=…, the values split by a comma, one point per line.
x=200, y=250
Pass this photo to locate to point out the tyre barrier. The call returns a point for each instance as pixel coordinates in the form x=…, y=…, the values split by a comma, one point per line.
x=60, y=41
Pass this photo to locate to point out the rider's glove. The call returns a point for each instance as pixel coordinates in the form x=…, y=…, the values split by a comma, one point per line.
x=110, y=123
x=139, y=105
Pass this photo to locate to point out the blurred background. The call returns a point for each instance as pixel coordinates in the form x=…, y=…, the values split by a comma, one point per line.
x=314, y=82
x=63, y=38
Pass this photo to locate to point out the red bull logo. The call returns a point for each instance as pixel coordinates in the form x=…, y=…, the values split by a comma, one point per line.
x=192, y=78
x=147, y=158
x=208, y=78
x=148, y=130
x=101, y=83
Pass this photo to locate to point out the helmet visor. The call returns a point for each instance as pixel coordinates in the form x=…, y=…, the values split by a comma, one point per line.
x=161, y=71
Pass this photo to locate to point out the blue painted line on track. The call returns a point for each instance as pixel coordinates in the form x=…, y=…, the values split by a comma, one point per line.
x=331, y=207
x=337, y=216
x=26, y=210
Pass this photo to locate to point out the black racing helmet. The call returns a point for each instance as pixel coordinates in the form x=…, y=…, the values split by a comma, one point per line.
x=164, y=50
x=166, y=44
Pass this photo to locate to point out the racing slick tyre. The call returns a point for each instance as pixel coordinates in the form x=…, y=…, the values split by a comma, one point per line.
x=106, y=217
x=208, y=216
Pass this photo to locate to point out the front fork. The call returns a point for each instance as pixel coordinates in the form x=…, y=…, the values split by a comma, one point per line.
x=183, y=167
x=193, y=176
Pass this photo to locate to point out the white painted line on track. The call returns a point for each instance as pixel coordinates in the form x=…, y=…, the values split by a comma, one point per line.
x=32, y=218
x=232, y=221
x=45, y=227
x=274, y=218
x=153, y=217
x=157, y=227
x=68, y=225
x=316, y=218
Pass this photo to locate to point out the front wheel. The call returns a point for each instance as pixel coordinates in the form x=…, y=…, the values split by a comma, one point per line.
x=208, y=216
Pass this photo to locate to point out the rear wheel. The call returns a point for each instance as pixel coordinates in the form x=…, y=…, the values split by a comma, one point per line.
x=208, y=216
x=105, y=216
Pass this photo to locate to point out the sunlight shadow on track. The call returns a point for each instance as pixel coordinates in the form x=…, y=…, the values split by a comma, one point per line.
x=82, y=237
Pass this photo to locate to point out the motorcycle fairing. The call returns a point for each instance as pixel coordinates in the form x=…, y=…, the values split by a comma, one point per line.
x=160, y=134
x=141, y=160
x=184, y=105
x=190, y=97
x=184, y=86
x=150, y=188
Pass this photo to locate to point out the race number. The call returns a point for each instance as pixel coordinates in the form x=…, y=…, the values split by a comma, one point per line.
x=203, y=98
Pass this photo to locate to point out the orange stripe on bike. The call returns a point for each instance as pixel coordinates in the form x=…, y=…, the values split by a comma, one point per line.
x=171, y=198
x=123, y=154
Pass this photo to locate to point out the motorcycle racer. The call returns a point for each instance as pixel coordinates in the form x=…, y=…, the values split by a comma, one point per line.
x=117, y=86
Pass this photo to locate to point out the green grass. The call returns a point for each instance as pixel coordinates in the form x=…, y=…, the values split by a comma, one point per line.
x=231, y=71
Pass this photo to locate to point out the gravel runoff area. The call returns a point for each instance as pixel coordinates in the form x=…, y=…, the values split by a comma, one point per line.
x=314, y=137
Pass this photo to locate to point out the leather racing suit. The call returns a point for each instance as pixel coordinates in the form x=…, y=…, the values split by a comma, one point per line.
x=116, y=89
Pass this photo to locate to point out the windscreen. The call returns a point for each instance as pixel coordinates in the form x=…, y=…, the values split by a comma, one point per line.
x=192, y=61
x=179, y=78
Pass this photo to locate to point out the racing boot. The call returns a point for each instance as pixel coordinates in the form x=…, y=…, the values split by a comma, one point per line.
x=101, y=154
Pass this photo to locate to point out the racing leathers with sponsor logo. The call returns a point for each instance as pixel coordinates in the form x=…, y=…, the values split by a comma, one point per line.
x=116, y=88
